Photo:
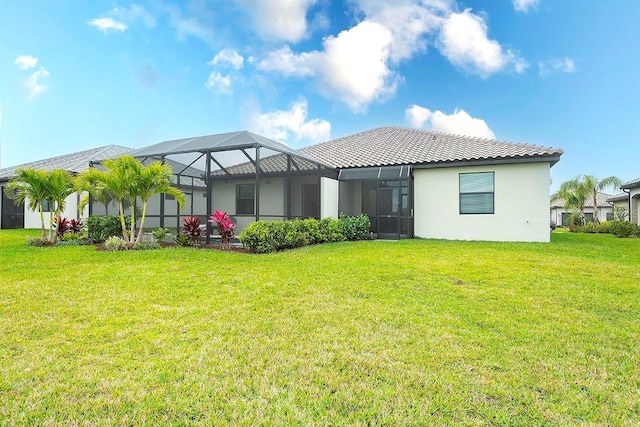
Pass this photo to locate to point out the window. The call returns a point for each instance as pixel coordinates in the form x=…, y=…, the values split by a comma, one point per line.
x=46, y=207
x=245, y=199
x=476, y=193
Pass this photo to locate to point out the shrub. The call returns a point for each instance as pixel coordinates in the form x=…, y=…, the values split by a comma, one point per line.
x=191, y=229
x=624, y=229
x=75, y=226
x=143, y=246
x=183, y=240
x=61, y=225
x=355, y=227
x=115, y=243
x=70, y=237
x=603, y=227
x=100, y=228
x=159, y=234
x=69, y=242
x=226, y=228
x=36, y=241
x=589, y=228
x=271, y=236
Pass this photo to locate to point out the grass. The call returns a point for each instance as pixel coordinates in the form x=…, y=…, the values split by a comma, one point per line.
x=409, y=332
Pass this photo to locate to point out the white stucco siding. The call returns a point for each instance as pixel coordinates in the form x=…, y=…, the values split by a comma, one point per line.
x=32, y=219
x=521, y=204
x=634, y=194
x=329, y=198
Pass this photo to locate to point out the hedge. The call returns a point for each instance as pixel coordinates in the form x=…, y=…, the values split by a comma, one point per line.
x=271, y=236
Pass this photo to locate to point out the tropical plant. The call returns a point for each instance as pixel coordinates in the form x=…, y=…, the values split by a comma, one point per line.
x=159, y=234
x=225, y=227
x=75, y=226
x=182, y=240
x=125, y=179
x=115, y=243
x=60, y=185
x=30, y=186
x=154, y=179
x=578, y=190
x=61, y=225
x=191, y=228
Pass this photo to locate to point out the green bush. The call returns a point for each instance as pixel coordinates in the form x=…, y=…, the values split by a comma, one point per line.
x=271, y=236
x=355, y=227
x=36, y=241
x=100, y=228
x=143, y=246
x=115, y=243
x=603, y=227
x=624, y=229
x=159, y=235
x=589, y=228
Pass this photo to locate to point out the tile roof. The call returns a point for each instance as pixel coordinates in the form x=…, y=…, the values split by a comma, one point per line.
x=398, y=145
x=276, y=163
x=618, y=197
x=631, y=184
x=602, y=199
x=74, y=162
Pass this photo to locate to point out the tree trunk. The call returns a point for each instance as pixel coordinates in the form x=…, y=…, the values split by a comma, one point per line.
x=44, y=233
x=144, y=214
x=122, y=223
x=596, y=220
x=51, y=227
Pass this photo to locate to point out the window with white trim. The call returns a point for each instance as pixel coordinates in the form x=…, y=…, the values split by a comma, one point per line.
x=477, y=193
x=245, y=199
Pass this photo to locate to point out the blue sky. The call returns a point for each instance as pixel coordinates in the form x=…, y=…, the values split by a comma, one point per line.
x=76, y=75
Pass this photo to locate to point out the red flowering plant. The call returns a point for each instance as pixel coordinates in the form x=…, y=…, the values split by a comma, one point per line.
x=225, y=227
x=191, y=229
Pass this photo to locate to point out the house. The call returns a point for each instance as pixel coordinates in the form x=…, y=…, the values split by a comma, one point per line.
x=560, y=215
x=620, y=204
x=411, y=183
x=632, y=188
x=13, y=216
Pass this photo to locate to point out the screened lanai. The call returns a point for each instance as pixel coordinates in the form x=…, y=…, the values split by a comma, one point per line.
x=244, y=174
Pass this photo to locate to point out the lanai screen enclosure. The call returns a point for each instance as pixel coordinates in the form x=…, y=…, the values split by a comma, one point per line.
x=248, y=176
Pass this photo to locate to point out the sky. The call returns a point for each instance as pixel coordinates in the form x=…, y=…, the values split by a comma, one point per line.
x=76, y=75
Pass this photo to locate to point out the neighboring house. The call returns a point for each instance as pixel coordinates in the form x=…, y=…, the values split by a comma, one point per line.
x=620, y=203
x=560, y=215
x=632, y=188
x=411, y=183
x=13, y=216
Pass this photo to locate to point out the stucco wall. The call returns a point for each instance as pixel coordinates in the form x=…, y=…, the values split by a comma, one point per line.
x=328, y=198
x=351, y=197
x=634, y=195
x=32, y=219
x=521, y=204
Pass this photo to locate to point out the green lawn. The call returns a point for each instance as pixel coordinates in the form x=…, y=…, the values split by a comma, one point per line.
x=410, y=332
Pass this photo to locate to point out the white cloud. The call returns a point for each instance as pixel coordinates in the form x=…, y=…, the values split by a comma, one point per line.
x=464, y=41
x=459, y=123
x=228, y=56
x=524, y=5
x=279, y=20
x=353, y=67
x=34, y=83
x=134, y=13
x=281, y=125
x=25, y=62
x=219, y=83
x=565, y=65
x=108, y=24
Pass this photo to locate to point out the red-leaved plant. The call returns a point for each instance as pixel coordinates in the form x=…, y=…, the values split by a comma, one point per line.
x=61, y=225
x=225, y=227
x=191, y=228
x=75, y=226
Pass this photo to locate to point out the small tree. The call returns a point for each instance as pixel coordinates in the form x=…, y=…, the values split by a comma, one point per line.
x=29, y=185
x=578, y=190
x=60, y=185
x=226, y=228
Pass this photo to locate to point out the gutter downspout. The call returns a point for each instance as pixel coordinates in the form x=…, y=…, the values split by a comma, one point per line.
x=629, y=200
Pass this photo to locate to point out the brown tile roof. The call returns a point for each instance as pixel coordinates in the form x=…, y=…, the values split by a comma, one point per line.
x=618, y=197
x=400, y=146
x=276, y=163
x=601, y=198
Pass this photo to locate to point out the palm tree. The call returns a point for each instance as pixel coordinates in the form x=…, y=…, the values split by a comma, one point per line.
x=595, y=185
x=59, y=185
x=29, y=185
x=155, y=179
x=118, y=180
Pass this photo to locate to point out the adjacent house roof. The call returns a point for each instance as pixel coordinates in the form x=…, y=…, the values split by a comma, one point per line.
x=631, y=184
x=601, y=198
x=74, y=162
x=620, y=197
x=387, y=146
